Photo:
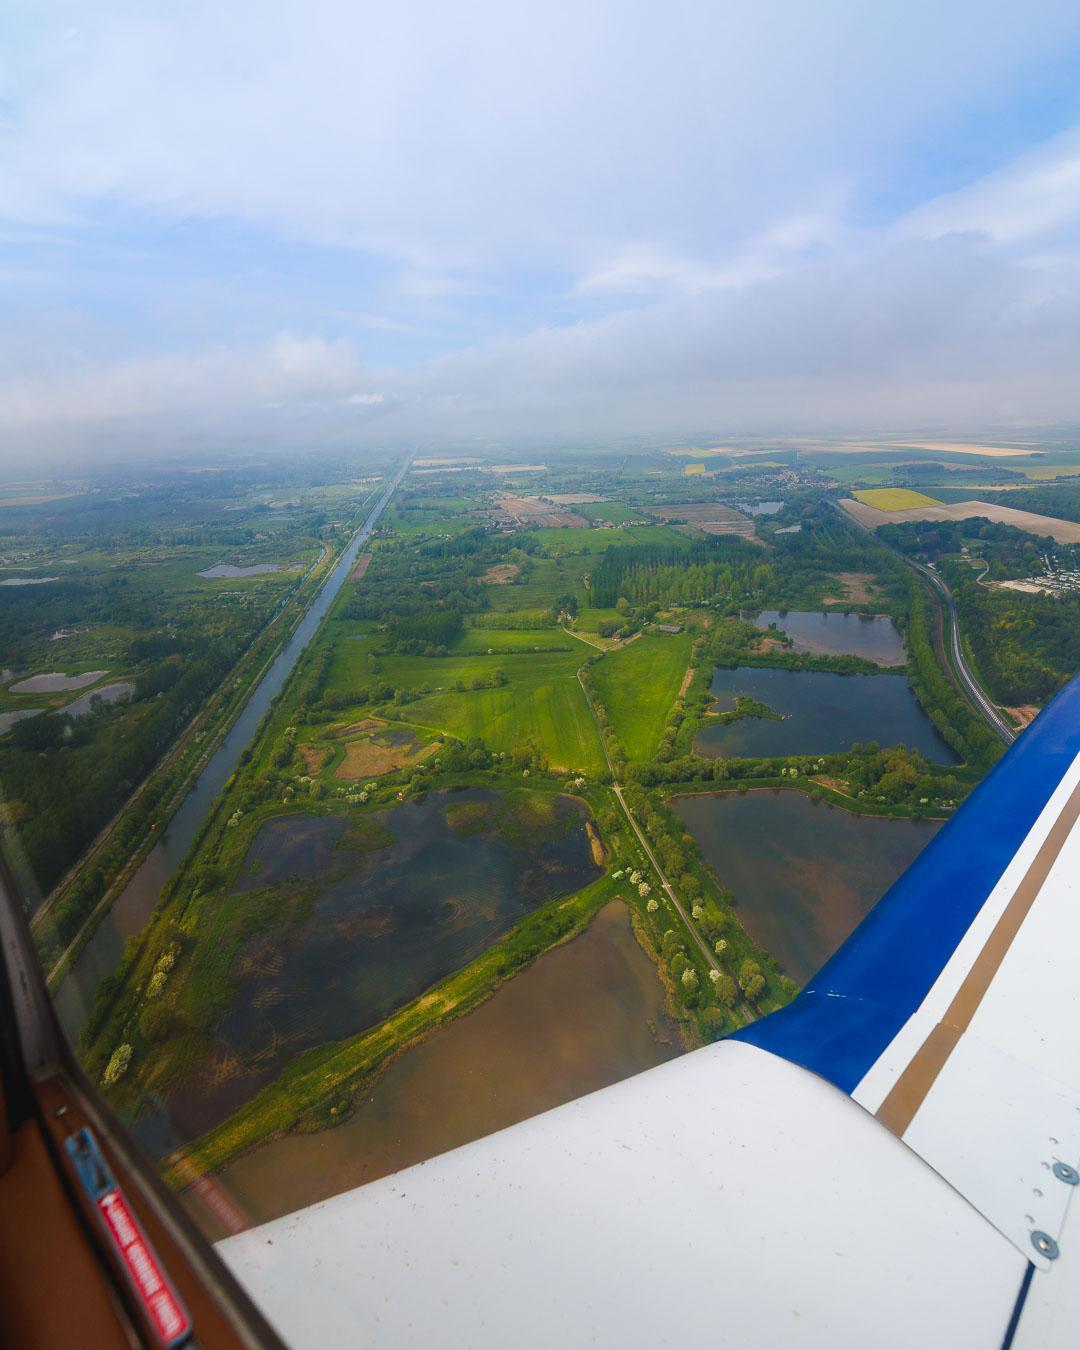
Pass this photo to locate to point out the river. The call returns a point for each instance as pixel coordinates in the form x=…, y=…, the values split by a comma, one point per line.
x=133, y=907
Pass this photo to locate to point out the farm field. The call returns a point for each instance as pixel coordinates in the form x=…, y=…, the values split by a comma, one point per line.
x=638, y=684
x=1064, y=531
x=711, y=517
x=895, y=499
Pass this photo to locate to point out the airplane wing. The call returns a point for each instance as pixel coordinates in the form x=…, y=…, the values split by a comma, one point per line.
x=887, y=1162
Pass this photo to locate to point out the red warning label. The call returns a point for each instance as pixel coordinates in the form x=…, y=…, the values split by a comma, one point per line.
x=166, y=1312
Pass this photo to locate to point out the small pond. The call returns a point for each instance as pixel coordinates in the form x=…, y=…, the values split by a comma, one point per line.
x=873, y=636
x=821, y=713
x=759, y=508
x=55, y=682
x=108, y=693
x=584, y=1015
x=803, y=873
x=229, y=570
x=8, y=719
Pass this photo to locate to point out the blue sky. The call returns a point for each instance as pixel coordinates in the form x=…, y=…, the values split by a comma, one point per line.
x=347, y=223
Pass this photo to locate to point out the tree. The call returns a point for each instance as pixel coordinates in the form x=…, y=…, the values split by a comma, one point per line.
x=725, y=991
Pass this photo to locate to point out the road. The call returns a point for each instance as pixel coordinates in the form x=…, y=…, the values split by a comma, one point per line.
x=967, y=679
x=971, y=686
x=706, y=951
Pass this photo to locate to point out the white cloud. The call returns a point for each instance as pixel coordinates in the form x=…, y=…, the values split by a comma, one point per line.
x=462, y=135
x=1036, y=195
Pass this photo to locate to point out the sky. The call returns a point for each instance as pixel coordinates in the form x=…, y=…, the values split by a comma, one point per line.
x=277, y=225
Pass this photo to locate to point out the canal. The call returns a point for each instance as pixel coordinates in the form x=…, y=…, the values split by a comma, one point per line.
x=100, y=956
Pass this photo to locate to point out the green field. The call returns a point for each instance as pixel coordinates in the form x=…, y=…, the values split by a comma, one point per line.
x=547, y=579
x=597, y=540
x=589, y=620
x=541, y=705
x=637, y=685
x=479, y=640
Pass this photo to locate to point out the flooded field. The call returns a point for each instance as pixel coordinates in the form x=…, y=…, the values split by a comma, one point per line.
x=873, y=636
x=803, y=873
x=821, y=713
x=373, y=912
x=584, y=1015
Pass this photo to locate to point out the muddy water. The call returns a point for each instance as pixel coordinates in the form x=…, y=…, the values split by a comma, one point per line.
x=804, y=873
x=584, y=1015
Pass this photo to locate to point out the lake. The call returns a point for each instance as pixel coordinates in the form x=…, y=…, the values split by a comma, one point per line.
x=873, y=636
x=584, y=1015
x=759, y=508
x=803, y=873
x=823, y=714
x=456, y=871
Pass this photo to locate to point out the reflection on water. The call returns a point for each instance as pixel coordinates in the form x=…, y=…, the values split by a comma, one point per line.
x=873, y=636
x=822, y=714
x=584, y=1015
x=803, y=873
x=454, y=872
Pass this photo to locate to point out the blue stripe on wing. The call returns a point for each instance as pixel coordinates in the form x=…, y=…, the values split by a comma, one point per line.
x=854, y=1006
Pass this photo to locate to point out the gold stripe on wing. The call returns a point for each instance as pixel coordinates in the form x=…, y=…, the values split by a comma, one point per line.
x=909, y=1091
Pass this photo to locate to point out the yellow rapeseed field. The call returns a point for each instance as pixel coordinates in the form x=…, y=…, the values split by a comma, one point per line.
x=895, y=499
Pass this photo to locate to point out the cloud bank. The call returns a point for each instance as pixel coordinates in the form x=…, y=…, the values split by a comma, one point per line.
x=440, y=222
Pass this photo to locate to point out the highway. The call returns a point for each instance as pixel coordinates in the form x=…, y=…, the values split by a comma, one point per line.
x=971, y=685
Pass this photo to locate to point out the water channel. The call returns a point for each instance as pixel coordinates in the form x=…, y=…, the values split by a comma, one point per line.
x=101, y=954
